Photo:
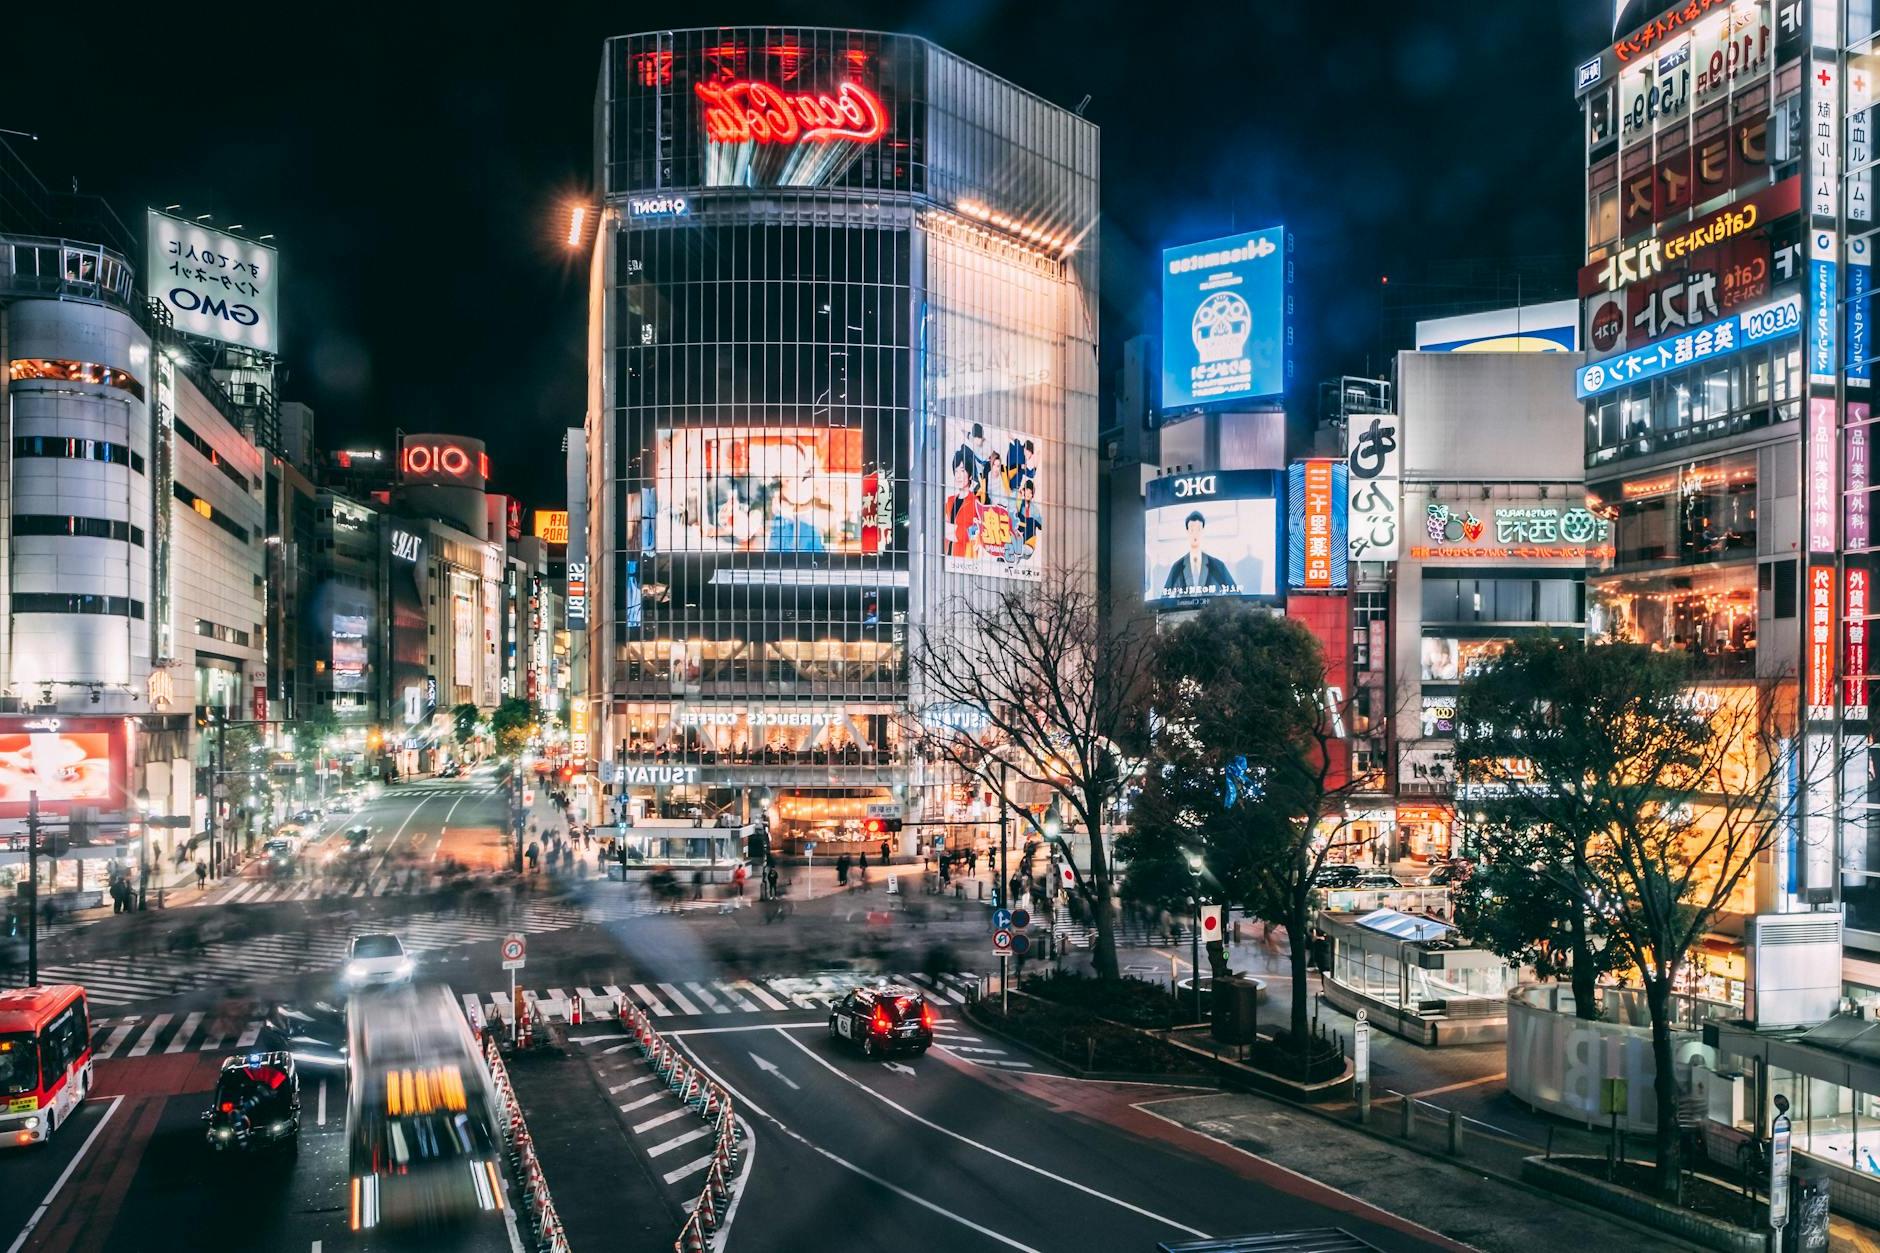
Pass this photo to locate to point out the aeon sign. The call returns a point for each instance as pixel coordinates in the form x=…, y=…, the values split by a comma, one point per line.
x=752, y=112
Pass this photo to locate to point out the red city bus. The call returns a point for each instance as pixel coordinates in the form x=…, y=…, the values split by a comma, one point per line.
x=45, y=1059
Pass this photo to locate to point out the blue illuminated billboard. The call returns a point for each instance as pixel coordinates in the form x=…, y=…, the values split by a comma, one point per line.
x=1704, y=343
x=1226, y=320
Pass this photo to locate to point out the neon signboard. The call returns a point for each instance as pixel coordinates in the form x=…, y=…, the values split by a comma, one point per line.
x=438, y=458
x=752, y=112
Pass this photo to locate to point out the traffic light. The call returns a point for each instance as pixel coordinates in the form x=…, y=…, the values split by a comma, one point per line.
x=873, y=826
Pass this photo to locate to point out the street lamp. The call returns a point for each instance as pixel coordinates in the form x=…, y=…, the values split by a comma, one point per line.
x=1195, y=867
x=143, y=878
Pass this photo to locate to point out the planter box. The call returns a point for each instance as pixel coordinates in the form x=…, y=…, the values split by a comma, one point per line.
x=1709, y=1233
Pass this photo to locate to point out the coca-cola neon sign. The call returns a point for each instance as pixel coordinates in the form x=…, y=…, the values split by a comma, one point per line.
x=751, y=112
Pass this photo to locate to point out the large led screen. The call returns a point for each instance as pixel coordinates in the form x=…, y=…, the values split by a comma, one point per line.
x=66, y=761
x=991, y=521
x=1224, y=320
x=1213, y=534
x=760, y=489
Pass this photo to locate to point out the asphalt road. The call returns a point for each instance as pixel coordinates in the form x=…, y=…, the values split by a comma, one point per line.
x=975, y=1145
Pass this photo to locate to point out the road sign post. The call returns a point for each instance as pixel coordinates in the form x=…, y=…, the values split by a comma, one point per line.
x=515, y=953
x=1002, y=945
x=1361, y=1064
x=1614, y=1095
x=1779, y=1154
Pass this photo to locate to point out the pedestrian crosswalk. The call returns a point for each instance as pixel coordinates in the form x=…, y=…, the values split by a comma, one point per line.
x=163, y=1035
x=704, y=998
x=264, y=960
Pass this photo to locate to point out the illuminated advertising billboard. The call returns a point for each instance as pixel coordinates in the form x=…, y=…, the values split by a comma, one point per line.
x=991, y=521
x=551, y=525
x=349, y=652
x=1316, y=503
x=214, y=284
x=1213, y=534
x=67, y=761
x=759, y=489
x=442, y=461
x=1226, y=320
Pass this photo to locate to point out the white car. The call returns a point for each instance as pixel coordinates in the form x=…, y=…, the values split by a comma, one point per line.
x=377, y=959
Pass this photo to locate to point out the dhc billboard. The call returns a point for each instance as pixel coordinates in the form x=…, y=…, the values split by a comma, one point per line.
x=1226, y=320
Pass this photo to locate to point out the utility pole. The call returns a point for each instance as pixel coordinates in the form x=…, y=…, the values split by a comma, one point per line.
x=1005, y=959
x=216, y=787
x=32, y=906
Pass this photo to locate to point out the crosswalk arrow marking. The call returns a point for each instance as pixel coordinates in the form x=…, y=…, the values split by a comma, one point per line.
x=770, y=1068
x=900, y=1067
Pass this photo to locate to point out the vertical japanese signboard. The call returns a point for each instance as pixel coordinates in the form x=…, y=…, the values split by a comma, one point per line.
x=1822, y=492
x=1373, y=462
x=1317, y=498
x=1855, y=523
x=1820, y=651
x=1854, y=656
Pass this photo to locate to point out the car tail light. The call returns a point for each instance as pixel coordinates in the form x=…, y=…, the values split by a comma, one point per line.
x=926, y=1017
x=228, y=1107
x=881, y=1020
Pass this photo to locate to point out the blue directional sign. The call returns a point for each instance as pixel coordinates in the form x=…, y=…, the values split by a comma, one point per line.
x=1704, y=343
x=1001, y=920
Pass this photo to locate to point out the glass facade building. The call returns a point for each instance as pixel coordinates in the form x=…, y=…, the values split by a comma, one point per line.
x=842, y=373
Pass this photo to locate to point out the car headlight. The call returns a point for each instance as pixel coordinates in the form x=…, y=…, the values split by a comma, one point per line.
x=355, y=971
x=31, y=1124
x=222, y=1133
x=405, y=967
x=278, y=1127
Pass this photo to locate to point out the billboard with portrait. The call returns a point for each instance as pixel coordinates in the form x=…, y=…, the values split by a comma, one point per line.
x=759, y=489
x=1226, y=333
x=1213, y=534
x=67, y=761
x=991, y=520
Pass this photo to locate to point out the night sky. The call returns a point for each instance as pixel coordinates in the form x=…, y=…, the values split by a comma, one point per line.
x=412, y=164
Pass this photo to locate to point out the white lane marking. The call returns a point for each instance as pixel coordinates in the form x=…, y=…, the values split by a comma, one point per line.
x=961, y=1048
x=659, y=1120
x=386, y=856
x=975, y=1144
x=771, y=1002
x=64, y=1175
x=705, y=998
x=684, y=1138
x=630, y=1106
x=149, y=1038
x=444, y=830
x=677, y=998
x=770, y=1068
x=316, y=1246
x=650, y=1001
x=615, y=1048
x=185, y=1033
x=618, y=1088
x=737, y=1193
x=690, y=1168
x=768, y=1026
x=247, y=1037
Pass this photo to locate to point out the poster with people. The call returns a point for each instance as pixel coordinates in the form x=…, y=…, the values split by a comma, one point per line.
x=1213, y=534
x=992, y=521
x=763, y=489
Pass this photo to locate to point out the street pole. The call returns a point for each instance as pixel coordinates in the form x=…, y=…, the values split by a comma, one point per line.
x=32, y=905
x=999, y=889
x=1195, y=950
x=216, y=785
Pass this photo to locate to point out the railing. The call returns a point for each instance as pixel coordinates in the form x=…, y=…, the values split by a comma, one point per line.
x=65, y=269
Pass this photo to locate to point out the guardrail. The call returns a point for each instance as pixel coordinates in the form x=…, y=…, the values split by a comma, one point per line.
x=549, y=1235
x=713, y=1104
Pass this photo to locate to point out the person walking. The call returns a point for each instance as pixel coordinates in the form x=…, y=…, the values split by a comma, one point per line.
x=864, y=865
x=884, y=852
x=698, y=885
x=202, y=875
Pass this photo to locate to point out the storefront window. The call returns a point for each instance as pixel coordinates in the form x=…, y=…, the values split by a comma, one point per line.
x=1708, y=613
x=1702, y=512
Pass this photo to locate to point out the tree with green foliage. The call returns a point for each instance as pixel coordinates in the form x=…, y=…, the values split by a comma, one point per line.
x=1616, y=807
x=1243, y=775
x=464, y=723
x=512, y=724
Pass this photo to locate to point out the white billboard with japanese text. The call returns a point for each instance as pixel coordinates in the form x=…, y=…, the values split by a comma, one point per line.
x=214, y=284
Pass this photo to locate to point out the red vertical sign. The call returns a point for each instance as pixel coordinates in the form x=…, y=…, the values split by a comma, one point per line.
x=871, y=512
x=1854, y=668
x=1318, y=522
x=1821, y=642
x=261, y=702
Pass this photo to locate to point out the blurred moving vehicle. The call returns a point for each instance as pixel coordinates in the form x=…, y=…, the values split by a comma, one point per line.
x=282, y=856
x=1452, y=873
x=45, y=1059
x=377, y=959
x=256, y=1104
x=1338, y=875
x=449, y=770
x=314, y=1034
x=1375, y=880
x=889, y=1018
x=359, y=836
x=422, y=1143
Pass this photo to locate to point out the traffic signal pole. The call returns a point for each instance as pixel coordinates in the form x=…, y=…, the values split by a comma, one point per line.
x=32, y=905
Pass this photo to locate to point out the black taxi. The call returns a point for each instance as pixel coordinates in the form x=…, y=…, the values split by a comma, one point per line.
x=886, y=1018
x=257, y=1103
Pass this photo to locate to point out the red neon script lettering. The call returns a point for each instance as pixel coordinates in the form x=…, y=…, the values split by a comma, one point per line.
x=747, y=112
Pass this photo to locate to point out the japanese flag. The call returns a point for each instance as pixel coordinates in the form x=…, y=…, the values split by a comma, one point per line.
x=1211, y=922
x=1067, y=876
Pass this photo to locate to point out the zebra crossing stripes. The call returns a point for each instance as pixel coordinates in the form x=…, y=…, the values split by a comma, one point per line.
x=705, y=998
x=166, y=1035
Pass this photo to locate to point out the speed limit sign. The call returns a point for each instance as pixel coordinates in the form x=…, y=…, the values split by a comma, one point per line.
x=514, y=951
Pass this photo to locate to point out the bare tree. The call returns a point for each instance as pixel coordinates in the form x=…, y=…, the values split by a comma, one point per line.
x=1653, y=799
x=1039, y=686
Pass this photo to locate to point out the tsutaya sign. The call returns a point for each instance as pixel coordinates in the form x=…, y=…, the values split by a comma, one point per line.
x=752, y=112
